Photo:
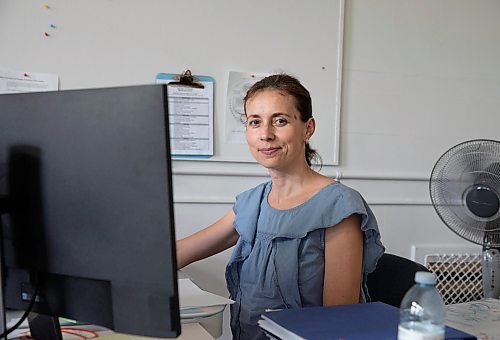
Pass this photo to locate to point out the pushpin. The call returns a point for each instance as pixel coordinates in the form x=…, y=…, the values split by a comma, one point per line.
x=25, y=74
x=46, y=34
x=52, y=26
x=46, y=6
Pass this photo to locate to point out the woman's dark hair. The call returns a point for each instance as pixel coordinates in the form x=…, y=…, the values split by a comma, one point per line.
x=292, y=86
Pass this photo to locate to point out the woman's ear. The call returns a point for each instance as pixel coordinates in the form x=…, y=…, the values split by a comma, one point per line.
x=310, y=127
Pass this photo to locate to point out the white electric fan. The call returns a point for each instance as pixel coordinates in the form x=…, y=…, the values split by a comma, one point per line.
x=465, y=191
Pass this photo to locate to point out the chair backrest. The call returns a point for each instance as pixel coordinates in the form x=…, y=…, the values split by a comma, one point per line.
x=392, y=278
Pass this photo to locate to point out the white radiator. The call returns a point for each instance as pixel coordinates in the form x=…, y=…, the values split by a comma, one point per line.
x=457, y=268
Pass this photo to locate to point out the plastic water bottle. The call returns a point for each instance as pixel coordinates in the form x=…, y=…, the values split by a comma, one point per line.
x=422, y=313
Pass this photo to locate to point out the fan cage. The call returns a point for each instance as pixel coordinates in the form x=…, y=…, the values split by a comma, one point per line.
x=459, y=276
x=475, y=162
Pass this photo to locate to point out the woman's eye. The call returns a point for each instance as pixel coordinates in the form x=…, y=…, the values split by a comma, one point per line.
x=253, y=122
x=280, y=121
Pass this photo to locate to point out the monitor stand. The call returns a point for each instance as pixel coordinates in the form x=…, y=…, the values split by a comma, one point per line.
x=44, y=327
x=41, y=326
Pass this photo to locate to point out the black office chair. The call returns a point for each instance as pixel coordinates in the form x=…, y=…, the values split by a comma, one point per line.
x=392, y=278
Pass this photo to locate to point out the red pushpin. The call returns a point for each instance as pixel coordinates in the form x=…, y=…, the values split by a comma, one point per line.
x=46, y=34
x=25, y=74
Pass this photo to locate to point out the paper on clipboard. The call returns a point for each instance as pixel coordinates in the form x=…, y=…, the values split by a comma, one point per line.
x=191, y=114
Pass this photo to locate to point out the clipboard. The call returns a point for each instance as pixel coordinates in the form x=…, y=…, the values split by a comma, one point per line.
x=191, y=114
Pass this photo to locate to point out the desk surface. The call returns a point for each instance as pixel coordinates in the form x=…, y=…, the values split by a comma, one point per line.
x=480, y=318
x=191, y=331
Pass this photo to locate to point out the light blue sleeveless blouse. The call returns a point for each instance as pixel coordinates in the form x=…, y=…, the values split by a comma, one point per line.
x=278, y=261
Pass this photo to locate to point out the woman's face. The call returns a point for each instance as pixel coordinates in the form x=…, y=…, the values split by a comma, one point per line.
x=275, y=134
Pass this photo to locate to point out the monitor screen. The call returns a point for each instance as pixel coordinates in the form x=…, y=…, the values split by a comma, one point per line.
x=87, y=215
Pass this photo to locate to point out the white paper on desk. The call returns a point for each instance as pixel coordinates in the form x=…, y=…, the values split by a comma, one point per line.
x=17, y=81
x=480, y=318
x=190, y=295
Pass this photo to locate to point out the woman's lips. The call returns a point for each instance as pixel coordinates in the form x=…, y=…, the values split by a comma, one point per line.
x=269, y=151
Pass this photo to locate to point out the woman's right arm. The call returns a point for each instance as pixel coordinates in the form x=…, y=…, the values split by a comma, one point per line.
x=207, y=242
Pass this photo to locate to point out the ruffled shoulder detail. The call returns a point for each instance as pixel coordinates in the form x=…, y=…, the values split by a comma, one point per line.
x=337, y=202
x=246, y=210
x=326, y=209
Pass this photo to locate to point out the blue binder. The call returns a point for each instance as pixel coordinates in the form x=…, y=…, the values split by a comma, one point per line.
x=374, y=320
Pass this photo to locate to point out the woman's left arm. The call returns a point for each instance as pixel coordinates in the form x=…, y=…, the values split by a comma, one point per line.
x=343, y=262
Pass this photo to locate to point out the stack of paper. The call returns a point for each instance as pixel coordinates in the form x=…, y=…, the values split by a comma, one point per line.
x=196, y=303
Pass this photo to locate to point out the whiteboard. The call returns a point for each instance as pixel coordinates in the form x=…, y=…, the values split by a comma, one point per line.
x=102, y=43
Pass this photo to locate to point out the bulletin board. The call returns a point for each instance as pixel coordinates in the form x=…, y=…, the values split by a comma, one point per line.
x=103, y=43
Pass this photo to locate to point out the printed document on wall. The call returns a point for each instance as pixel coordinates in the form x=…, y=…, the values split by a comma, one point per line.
x=17, y=81
x=191, y=118
x=237, y=87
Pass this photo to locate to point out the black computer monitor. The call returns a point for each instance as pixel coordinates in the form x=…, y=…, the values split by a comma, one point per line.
x=87, y=208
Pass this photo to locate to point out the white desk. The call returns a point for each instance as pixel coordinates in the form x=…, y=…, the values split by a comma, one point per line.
x=480, y=318
x=191, y=331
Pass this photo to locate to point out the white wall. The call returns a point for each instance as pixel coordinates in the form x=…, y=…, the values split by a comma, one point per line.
x=99, y=43
x=418, y=78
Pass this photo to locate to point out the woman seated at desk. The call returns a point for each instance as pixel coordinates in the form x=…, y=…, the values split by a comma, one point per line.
x=302, y=239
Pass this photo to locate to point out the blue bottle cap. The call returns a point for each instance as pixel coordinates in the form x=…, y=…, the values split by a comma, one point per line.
x=426, y=278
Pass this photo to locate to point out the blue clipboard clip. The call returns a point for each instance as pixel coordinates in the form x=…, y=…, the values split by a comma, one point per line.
x=186, y=78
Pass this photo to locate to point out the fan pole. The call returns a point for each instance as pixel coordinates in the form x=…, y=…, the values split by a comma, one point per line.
x=491, y=265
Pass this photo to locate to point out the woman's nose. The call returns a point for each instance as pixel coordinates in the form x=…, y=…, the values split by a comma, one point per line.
x=267, y=133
